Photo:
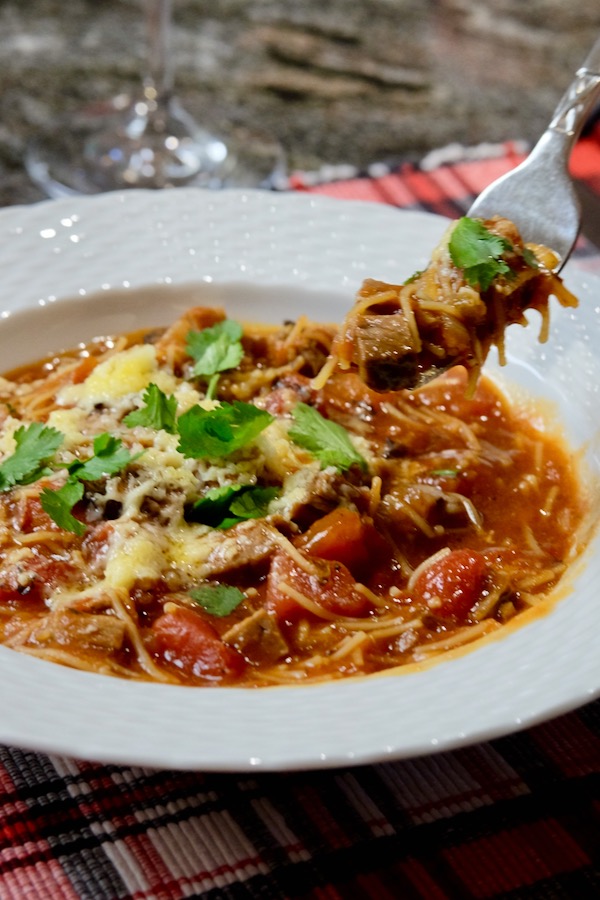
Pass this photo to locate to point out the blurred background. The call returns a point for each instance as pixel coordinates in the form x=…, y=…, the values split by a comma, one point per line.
x=337, y=81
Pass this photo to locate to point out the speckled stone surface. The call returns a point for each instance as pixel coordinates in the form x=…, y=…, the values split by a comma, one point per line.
x=347, y=81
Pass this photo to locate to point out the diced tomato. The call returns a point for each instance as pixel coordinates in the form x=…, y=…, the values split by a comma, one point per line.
x=31, y=517
x=185, y=639
x=35, y=577
x=9, y=595
x=96, y=540
x=333, y=588
x=344, y=535
x=451, y=585
x=52, y=573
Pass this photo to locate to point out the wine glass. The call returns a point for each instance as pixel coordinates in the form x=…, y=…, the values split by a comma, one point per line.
x=149, y=140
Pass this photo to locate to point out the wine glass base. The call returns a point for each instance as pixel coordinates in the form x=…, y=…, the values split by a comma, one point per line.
x=128, y=144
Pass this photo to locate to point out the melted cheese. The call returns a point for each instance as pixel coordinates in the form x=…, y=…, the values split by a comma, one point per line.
x=281, y=457
x=134, y=556
x=70, y=422
x=189, y=546
x=7, y=439
x=127, y=372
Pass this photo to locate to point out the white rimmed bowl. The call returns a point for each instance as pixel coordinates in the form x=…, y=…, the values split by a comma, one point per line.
x=71, y=269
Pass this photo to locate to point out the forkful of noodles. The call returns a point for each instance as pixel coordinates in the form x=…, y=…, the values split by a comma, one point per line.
x=488, y=270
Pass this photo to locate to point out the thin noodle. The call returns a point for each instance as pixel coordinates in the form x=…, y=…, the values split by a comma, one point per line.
x=349, y=644
x=305, y=601
x=464, y=636
x=323, y=376
x=374, y=495
x=499, y=327
x=393, y=629
x=405, y=305
x=434, y=558
x=298, y=558
x=378, y=625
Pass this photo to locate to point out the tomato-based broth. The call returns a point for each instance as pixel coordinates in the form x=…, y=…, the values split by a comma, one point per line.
x=191, y=505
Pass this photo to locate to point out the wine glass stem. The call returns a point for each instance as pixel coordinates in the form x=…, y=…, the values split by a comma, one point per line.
x=158, y=81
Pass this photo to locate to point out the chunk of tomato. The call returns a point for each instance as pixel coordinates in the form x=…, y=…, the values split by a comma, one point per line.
x=31, y=517
x=9, y=595
x=333, y=588
x=190, y=643
x=338, y=535
x=452, y=584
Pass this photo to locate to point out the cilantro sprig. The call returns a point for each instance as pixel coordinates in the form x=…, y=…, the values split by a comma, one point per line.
x=478, y=252
x=58, y=504
x=217, y=599
x=36, y=444
x=414, y=277
x=221, y=431
x=202, y=432
x=225, y=506
x=109, y=457
x=327, y=440
x=159, y=411
x=215, y=350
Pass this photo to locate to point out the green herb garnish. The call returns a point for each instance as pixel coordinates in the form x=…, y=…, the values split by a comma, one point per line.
x=478, y=252
x=35, y=446
x=110, y=456
x=530, y=258
x=215, y=350
x=159, y=411
x=217, y=599
x=327, y=440
x=225, y=506
x=219, y=432
x=58, y=505
x=415, y=275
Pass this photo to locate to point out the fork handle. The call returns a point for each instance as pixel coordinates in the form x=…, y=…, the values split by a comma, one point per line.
x=578, y=101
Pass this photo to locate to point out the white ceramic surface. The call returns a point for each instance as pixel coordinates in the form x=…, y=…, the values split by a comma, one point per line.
x=68, y=268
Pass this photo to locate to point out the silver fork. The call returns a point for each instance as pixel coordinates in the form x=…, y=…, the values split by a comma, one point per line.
x=538, y=196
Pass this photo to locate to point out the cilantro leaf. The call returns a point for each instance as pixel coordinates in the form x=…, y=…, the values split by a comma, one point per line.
x=110, y=456
x=253, y=503
x=412, y=278
x=59, y=503
x=158, y=413
x=478, y=252
x=217, y=599
x=530, y=258
x=215, y=350
x=213, y=507
x=35, y=445
x=219, y=432
x=225, y=506
x=327, y=440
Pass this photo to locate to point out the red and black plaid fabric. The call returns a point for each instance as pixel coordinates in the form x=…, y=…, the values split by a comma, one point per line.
x=517, y=818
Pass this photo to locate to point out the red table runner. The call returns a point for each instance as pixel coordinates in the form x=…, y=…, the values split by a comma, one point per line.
x=516, y=818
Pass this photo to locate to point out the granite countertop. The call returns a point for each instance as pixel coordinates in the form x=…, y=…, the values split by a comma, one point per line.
x=338, y=83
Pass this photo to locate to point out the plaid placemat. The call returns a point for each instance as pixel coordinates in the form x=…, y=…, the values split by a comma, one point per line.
x=517, y=818
x=448, y=180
